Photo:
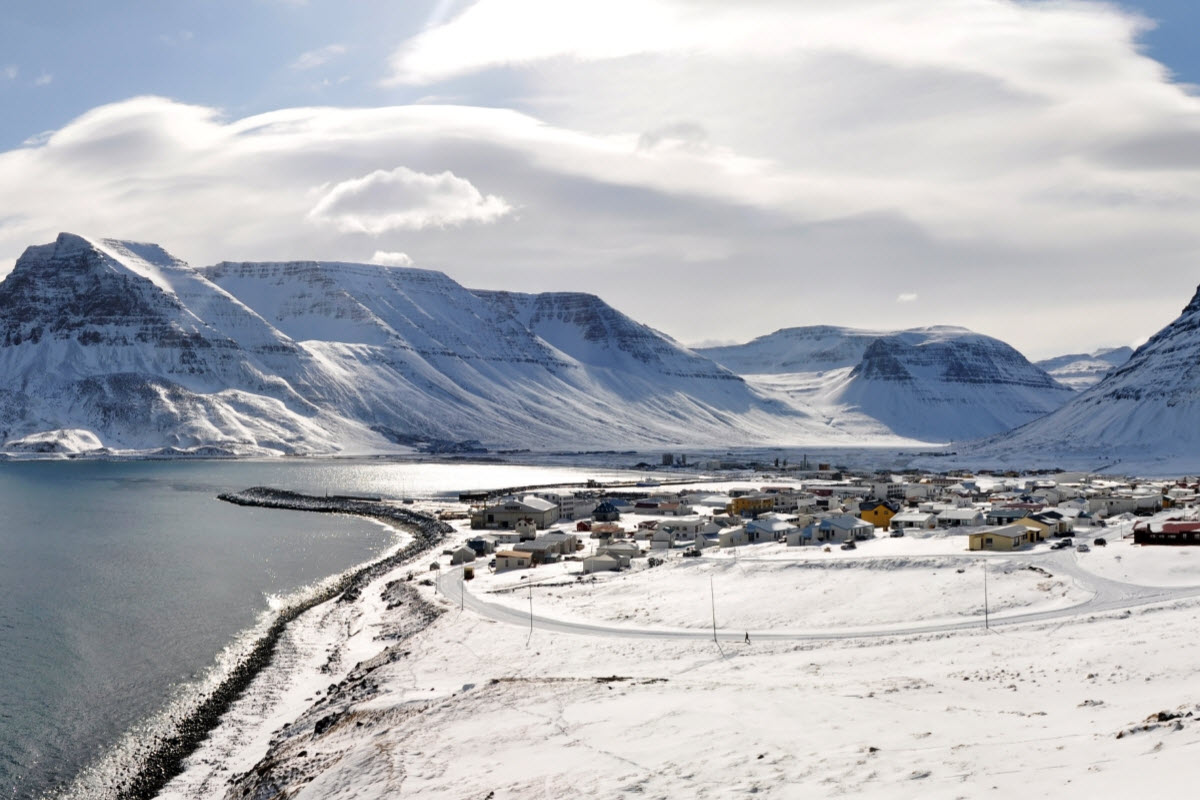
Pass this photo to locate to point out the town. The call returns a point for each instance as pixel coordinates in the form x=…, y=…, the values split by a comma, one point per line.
x=825, y=507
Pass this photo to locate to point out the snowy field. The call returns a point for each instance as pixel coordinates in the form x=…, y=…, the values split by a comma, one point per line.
x=868, y=674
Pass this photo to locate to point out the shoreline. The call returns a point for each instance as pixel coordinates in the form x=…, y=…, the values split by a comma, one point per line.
x=165, y=758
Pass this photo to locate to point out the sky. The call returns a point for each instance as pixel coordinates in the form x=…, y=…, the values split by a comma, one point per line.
x=1029, y=170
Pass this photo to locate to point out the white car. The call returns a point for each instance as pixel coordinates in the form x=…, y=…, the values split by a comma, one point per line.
x=1082, y=548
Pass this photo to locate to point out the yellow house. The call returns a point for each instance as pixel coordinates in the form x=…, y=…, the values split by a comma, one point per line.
x=1044, y=529
x=1009, y=537
x=877, y=513
x=751, y=505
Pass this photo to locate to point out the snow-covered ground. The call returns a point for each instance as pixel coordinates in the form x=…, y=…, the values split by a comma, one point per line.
x=868, y=674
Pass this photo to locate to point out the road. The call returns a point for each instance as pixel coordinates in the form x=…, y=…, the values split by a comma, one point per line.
x=1107, y=595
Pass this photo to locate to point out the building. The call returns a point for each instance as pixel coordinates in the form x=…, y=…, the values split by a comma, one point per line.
x=512, y=559
x=1007, y=537
x=751, y=504
x=960, y=518
x=1168, y=533
x=606, y=512
x=913, y=521
x=511, y=510
x=878, y=513
x=601, y=563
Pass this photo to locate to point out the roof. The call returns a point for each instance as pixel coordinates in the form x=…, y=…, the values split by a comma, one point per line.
x=913, y=516
x=1006, y=532
x=845, y=522
x=960, y=513
x=511, y=554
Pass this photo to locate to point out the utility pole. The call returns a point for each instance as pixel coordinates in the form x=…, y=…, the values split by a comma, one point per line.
x=530, y=613
x=713, y=595
x=986, y=622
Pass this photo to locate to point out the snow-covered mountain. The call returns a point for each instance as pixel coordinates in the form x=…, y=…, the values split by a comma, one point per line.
x=119, y=343
x=815, y=348
x=128, y=343
x=1083, y=370
x=932, y=384
x=1144, y=412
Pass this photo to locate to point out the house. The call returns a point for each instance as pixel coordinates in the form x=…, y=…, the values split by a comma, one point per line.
x=960, y=518
x=462, y=555
x=1006, y=537
x=1056, y=524
x=601, y=563
x=482, y=546
x=1005, y=515
x=913, y=520
x=801, y=536
x=622, y=551
x=512, y=559
x=662, y=506
x=842, y=528
x=751, y=504
x=606, y=512
x=540, y=551
x=510, y=510
x=768, y=530
x=568, y=543
x=878, y=512
x=1171, y=532
x=732, y=537
x=607, y=530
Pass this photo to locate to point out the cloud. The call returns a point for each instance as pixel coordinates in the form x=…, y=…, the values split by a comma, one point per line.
x=906, y=297
x=395, y=259
x=10, y=72
x=693, y=155
x=401, y=199
x=318, y=57
x=45, y=79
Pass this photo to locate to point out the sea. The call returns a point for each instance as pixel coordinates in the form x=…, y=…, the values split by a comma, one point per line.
x=123, y=584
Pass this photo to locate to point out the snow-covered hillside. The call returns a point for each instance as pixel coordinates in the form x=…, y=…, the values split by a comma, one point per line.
x=118, y=345
x=815, y=348
x=126, y=343
x=1143, y=413
x=933, y=384
x=1083, y=370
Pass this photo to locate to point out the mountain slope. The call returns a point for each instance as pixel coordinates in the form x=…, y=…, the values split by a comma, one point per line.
x=1145, y=411
x=99, y=335
x=544, y=370
x=1083, y=370
x=934, y=384
x=791, y=350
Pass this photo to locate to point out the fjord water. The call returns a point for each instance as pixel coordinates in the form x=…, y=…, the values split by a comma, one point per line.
x=121, y=582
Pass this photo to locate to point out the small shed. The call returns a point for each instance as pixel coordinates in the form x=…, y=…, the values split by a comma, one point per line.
x=462, y=555
x=601, y=563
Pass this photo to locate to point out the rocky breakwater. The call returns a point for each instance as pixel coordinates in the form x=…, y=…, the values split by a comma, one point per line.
x=163, y=756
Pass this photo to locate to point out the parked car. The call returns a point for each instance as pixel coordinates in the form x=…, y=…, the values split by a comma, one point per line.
x=1082, y=548
x=896, y=534
x=1101, y=542
x=850, y=545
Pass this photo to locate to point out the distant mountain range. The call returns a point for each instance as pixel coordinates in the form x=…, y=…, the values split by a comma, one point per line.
x=108, y=345
x=1083, y=370
x=930, y=384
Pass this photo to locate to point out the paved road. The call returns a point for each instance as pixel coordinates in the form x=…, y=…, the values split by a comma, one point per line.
x=1107, y=595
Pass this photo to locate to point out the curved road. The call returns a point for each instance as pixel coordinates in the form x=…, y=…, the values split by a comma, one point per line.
x=1107, y=595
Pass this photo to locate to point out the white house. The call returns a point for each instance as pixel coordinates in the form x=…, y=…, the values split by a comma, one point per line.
x=959, y=517
x=913, y=520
